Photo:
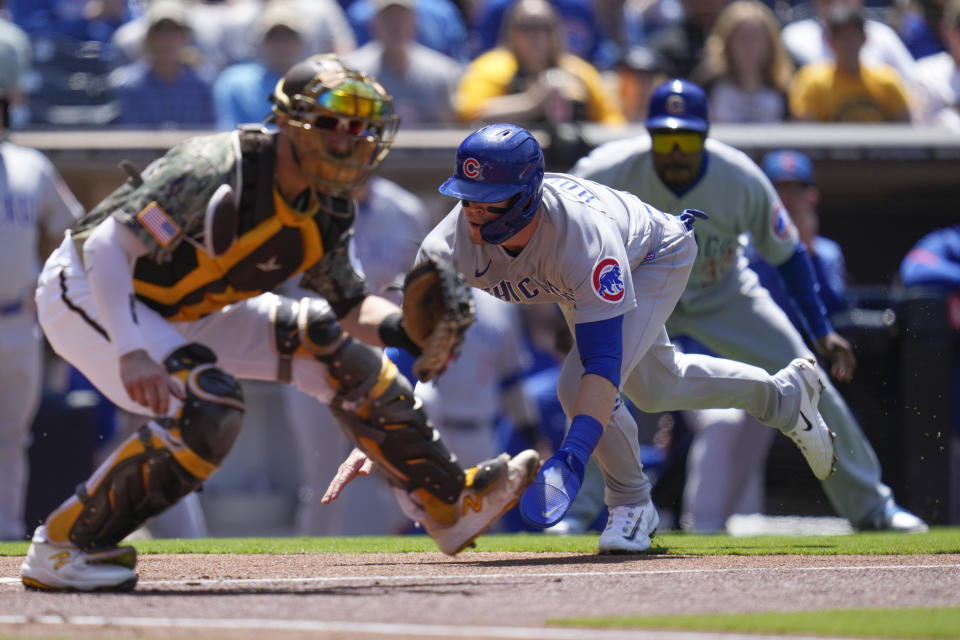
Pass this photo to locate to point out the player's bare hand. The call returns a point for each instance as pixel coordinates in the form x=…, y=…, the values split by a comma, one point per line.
x=357, y=464
x=147, y=382
x=840, y=353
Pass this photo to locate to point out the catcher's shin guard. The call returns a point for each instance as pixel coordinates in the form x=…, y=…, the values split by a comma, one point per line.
x=156, y=467
x=389, y=424
x=376, y=408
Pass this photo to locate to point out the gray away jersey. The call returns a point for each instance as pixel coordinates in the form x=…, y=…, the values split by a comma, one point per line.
x=588, y=240
x=733, y=191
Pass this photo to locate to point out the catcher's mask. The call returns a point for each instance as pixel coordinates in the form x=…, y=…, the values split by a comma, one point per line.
x=498, y=162
x=340, y=121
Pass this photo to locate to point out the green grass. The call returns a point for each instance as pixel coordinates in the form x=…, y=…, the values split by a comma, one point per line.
x=941, y=622
x=938, y=540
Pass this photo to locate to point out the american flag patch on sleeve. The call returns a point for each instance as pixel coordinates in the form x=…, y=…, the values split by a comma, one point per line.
x=160, y=225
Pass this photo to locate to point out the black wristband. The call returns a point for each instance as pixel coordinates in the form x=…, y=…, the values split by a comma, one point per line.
x=392, y=334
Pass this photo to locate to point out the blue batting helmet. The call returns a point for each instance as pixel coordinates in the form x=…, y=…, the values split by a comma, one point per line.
x=787, y=165
x=678, y=104
x=499, y=162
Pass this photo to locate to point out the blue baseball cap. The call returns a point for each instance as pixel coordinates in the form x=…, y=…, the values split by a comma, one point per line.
x=788, y=166
x=678, y=104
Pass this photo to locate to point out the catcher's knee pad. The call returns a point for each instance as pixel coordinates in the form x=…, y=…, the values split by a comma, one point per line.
x=309, y=324
x=212, y=411
x=156, y=467
x=388, y=423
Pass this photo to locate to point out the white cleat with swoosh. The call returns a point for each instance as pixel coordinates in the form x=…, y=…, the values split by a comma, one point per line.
x=809, y=432
x=629, y=529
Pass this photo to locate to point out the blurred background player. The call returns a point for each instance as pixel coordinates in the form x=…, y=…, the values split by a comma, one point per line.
x=726, y=464
x=724, y=307
x=35, y=208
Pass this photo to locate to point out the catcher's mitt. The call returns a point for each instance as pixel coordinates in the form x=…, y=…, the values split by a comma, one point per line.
x=437, y=311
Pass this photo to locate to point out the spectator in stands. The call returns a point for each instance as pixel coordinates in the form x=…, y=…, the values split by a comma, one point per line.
x=633, y=77
x=580, y=30
x=530, y=78
x=848, y=89
x=808, y=40
x=611, y=27
x=207, y=20
x=939, y=75
x=682, y=39
x=918, y=26
x=746, y=70
x=643, y=18
x=324, y=24
x=239, y=92
x=85, y=20
x=73, y=58
x=169, y=87
x=421, y=80
x=440, y=26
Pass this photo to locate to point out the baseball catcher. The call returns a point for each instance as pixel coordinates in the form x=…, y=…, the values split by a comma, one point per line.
x=161, y=297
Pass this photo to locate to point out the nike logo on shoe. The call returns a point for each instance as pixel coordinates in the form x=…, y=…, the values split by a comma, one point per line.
x=547, y=514
x=636, y=528
x=808, y=423
x=477, y=272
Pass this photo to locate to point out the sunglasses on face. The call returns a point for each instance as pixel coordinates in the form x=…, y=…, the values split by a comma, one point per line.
x=497, y=210
x=688, y=141
x=343, y=125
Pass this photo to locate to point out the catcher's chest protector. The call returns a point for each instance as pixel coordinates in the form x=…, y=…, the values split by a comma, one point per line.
x=193, y=283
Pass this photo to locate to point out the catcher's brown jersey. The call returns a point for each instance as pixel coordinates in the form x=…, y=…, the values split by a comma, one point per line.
x=167, y=209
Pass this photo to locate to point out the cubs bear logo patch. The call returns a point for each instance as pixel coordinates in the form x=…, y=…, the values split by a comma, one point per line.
x=781, y=223
x=607, y=280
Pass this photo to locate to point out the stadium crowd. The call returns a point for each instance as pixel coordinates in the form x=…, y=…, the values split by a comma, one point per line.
x=197, y=65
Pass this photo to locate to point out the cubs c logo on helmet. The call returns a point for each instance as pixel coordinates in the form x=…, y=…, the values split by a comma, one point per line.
x=675, y=105
x=607, y=280
x=471, y=168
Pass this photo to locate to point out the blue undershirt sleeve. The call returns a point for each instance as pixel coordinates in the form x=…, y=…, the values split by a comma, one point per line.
x=801, y=283
x=601, y=347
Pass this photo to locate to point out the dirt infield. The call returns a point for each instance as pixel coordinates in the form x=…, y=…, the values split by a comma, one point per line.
x=476, y=595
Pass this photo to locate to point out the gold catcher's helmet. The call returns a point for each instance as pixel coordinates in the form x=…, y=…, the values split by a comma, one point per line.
x=341, y=122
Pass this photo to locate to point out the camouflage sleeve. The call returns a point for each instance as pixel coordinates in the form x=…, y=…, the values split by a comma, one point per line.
x=334, y=277
x=170, y=199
